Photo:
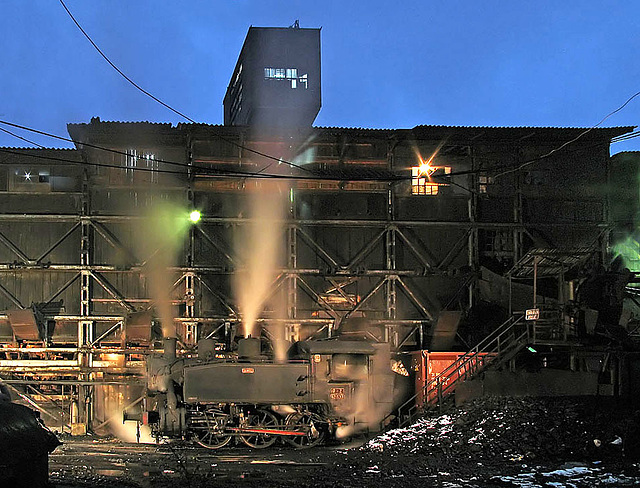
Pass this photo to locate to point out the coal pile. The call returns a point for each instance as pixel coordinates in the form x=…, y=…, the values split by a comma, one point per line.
x=516, y=429
x=502, y=435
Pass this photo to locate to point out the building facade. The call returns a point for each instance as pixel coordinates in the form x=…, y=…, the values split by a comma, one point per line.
x=385, y=231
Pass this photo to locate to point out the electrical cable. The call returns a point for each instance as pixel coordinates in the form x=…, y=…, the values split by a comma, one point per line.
x=625, y=137
x=22, y=138
x=133, y=83
x=215, y=171
x=518, y=168
x=241, y=174
x=226, y=173
x=114, y=151
x=207, y=171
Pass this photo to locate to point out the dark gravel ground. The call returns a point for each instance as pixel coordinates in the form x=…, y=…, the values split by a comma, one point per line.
x=529, y=442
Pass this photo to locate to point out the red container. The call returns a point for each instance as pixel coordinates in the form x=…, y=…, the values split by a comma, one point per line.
x=452, y=366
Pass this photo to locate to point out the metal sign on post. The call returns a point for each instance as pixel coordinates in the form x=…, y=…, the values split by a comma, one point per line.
x=532, y=314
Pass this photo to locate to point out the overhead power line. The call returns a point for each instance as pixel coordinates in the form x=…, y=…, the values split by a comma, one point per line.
x=121, y=153
x=198, y=169
x=527, y=163
x=166, y=105
x=625, y=137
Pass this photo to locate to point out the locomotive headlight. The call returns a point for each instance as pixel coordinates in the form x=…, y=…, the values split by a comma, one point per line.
x=316, y=358
x=195, y=216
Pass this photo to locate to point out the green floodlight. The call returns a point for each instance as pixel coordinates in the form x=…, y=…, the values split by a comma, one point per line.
x=194, y=216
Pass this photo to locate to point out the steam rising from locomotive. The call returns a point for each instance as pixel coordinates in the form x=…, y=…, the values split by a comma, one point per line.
x=259, y=247
x=159, y=238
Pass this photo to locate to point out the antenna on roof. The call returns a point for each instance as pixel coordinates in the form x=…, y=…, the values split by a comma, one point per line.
x=295, y=25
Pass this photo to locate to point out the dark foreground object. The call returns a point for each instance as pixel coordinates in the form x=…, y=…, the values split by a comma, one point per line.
x=25, y=445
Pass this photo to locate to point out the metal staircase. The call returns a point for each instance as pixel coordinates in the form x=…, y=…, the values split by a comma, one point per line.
x=497, y=348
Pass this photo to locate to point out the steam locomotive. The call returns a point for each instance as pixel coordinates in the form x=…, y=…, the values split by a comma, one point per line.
x=325, y=389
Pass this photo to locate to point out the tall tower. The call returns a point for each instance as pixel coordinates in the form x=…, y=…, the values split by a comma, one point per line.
x=276, y=81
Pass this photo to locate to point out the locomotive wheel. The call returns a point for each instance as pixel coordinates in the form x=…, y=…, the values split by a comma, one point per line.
x=211, y=437
x=304, y=422
x=262, y=419
x=211, y=440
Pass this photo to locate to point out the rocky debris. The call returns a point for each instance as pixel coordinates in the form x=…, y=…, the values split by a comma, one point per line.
x=499, y=436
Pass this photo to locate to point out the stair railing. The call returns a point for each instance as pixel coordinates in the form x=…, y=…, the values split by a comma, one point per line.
x=503, y=342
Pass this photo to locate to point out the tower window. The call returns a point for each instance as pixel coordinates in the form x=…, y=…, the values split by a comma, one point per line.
x=287, y=74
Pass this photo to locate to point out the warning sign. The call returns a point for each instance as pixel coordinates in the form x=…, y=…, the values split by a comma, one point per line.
x=532, y=314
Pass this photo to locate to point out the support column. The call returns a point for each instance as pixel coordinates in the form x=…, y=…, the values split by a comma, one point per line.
x=292, y=250
x=472, y=244
x=86, y=333
x=517, y=213
x=190, y=328
x=390, y=265
x=390, y=262
x=293, y=330
x=82, y=408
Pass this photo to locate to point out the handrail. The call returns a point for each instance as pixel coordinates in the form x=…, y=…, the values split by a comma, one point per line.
x=470, y=363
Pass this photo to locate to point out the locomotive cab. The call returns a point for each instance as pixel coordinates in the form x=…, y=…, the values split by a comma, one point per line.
x=354, y=379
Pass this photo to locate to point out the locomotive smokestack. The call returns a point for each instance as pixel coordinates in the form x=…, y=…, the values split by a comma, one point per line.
x=249, y=348
x=169, y=346
x=206, y=348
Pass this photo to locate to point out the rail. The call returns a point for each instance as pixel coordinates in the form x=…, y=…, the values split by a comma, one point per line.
x=499, y=346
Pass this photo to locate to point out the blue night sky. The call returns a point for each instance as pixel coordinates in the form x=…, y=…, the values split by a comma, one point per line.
x=384, y=64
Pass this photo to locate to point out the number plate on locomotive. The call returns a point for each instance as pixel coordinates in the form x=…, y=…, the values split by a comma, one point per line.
x=336, y=393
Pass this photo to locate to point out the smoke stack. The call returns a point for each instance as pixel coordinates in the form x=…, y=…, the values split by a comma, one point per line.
x=169, y=346
x=249, y=348
x=206, y=348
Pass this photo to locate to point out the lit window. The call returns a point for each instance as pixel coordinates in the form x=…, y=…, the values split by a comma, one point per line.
x=30, y=179
x=422, y=182
x=483, y=183
x=135, y=159
x=290, y=74
x=237, y=78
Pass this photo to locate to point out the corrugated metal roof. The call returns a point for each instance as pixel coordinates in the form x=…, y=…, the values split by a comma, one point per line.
x=514, y=131
x=17, y=148
x=550, y=262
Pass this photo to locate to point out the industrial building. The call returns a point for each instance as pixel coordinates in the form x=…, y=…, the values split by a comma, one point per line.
x=408, y=235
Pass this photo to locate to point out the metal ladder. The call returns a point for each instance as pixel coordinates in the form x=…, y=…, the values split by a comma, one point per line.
x=497, y=348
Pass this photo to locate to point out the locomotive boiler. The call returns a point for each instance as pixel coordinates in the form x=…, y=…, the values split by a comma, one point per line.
x=325, y=389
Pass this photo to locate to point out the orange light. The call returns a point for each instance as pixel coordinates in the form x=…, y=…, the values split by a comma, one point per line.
x=425, y=169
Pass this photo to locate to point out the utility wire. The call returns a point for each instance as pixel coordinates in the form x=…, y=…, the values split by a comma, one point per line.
x=206, y=171
x=121, y=73
x=259, y=174
x=525, y=164
x=625, y=137
x=22, y=138
x=115, y=151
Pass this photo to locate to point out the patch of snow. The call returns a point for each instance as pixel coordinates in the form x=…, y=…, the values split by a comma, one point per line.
x=570, y=472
